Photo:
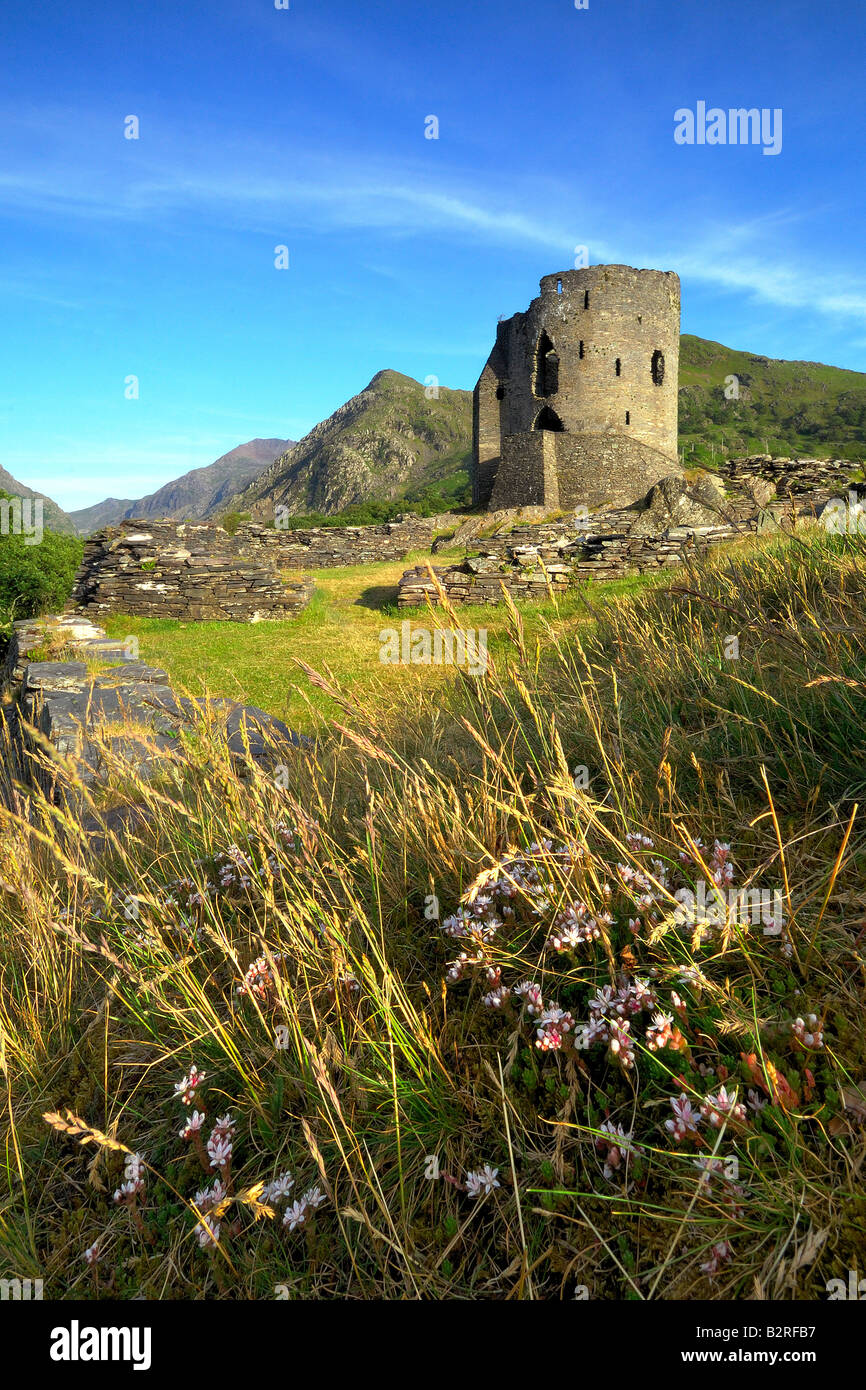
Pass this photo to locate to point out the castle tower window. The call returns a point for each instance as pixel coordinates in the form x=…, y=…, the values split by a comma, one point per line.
x=628, y=417
x=559, y=287
x=580, y=350
x=500, y=393
x=658, y=367
x=618, y=367
x=548, y=420
x=546, y=368
x=586, y=299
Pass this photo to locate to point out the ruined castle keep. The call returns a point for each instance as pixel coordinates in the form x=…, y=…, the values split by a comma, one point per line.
x=577, y=403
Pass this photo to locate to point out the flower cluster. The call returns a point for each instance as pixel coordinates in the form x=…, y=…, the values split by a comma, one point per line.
x=716, y=1107
x=807, y=1032
x=686, y=1119
x=186, y=1088
x=720, y=866
x=553, y=1025
x=260, y=982
x=299, y=1212
x=614, y=1144
x=482, y=1181
x=133, y=1179
x=575, y=926
x=206, y=1199
x=719, y=1255
x=219, y=1145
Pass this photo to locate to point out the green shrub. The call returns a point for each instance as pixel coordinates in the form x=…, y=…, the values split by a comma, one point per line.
x=35, y=578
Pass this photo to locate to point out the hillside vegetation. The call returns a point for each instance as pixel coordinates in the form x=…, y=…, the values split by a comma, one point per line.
x=429, y=1016
x=798, y=409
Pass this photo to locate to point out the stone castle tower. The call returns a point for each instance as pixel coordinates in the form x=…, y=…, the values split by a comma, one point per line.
x=577, y=403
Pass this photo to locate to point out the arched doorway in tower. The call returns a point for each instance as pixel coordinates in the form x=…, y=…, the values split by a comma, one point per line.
x=548, y=419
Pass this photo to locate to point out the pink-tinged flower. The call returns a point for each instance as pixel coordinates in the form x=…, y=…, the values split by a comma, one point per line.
x=530, y=993
x=621, y=1044
x=224, y=1127
x=313, y=1198
x=186, y=1089
x=483, y=1181
x=457, y=969
x=208, y=1232
x=278, y=1189
x=219, y=1148
x=552, y=1027
x=807, y=1032
x=660, y=1032
x=755, y=1101
x=635, y=840
x=573, y=927
x=193, y=1125
x=719, y=1255
x=91, y=1254
x=260, y=980
x=615, y=1144
x=497, y=997
x=208, y=1197
x=715, y=1107
x=295, y=1215
x=133, y=1178
x=133, y=1168
x=686, y=1119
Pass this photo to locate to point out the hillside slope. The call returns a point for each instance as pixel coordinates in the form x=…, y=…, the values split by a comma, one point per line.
x=794, y=408
x=388, y=442
x=54, y=517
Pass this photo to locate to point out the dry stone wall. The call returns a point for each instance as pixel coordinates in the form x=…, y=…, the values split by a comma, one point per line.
x=328, y=547
x=676, y=520
x=185, y=570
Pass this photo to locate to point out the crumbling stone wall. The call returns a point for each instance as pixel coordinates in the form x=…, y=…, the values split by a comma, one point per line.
x=185, y=570
x=327, y=547
x=594, y=363
x=676, y=520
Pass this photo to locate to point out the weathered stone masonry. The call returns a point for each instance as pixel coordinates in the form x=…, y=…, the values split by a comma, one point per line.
x=577, y=403
x=750, y=494
x=116, y=716
x=191, y=570
x=185, y=570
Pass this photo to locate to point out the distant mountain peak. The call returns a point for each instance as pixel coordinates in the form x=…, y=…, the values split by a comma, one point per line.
x=198, y=495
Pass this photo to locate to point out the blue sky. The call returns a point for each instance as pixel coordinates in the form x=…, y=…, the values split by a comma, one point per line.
x=305, y=127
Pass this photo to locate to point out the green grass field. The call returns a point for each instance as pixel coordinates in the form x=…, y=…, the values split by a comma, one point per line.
x=339, y=631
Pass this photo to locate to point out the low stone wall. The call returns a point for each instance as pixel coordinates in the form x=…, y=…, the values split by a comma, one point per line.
x=533, y=571
x=533, y=561
x=185, y=570
x=328, y=547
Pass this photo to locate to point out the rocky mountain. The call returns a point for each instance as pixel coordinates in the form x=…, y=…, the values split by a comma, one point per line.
x=106, y=513
x=52, y=516
x=198, y=495
x=389, y=442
